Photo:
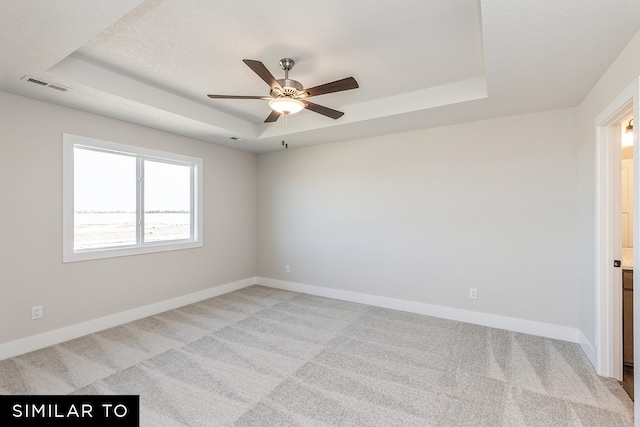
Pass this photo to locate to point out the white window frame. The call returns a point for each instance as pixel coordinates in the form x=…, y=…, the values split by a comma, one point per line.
x=69, y=254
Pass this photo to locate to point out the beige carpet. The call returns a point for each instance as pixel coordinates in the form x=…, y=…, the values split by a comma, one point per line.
x=261, y=357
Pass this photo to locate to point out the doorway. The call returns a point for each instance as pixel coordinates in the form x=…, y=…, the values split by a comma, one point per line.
x=611, y=126
x=627, y=259
x=609, y=245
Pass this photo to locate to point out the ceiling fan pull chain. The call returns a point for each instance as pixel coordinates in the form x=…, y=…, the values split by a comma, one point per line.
x=284, y=130
x=285, y=143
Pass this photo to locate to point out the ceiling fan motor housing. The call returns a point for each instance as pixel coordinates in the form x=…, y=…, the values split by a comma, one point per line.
x=288, y=87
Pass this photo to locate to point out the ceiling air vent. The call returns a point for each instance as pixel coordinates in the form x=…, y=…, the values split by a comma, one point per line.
x=38, y=82
x=57, y=87
x=44, y=83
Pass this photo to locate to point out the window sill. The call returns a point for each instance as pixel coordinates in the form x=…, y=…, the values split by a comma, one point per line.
x=102, y=253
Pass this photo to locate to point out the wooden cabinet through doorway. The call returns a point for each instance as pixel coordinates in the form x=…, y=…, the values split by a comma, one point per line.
x=627, y=316
x=627, y=331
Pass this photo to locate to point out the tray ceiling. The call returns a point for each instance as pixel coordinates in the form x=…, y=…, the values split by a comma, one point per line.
x=419, y=64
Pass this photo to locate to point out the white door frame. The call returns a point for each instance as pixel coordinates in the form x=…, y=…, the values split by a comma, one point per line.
x=608, y=292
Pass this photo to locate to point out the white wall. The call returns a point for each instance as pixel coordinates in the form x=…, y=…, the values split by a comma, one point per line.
x=31, y=268
x=618, y=77
x=425, y=215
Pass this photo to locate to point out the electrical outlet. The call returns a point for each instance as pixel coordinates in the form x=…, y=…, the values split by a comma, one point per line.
x=287, y=269
x=36, y=312
x=473, y=293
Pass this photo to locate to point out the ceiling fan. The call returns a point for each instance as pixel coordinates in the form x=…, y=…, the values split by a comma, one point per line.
x=288, y=96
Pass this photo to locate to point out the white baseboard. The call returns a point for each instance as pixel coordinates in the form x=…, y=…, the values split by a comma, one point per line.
x=531, y=327
x=35, y=342
x=57, y=336
x=588, y=349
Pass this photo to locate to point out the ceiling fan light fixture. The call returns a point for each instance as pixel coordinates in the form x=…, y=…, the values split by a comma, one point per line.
x=286, y=105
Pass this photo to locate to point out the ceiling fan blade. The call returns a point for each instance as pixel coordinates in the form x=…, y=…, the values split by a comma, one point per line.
x=325, y=111
x=272, y=117
x=259, y=68
x=337, y=86
x=237, y=97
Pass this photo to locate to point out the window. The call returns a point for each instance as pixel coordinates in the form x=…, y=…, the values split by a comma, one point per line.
x=124, y=200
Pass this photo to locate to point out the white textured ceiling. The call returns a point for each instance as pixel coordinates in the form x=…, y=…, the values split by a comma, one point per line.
x=419, y=63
